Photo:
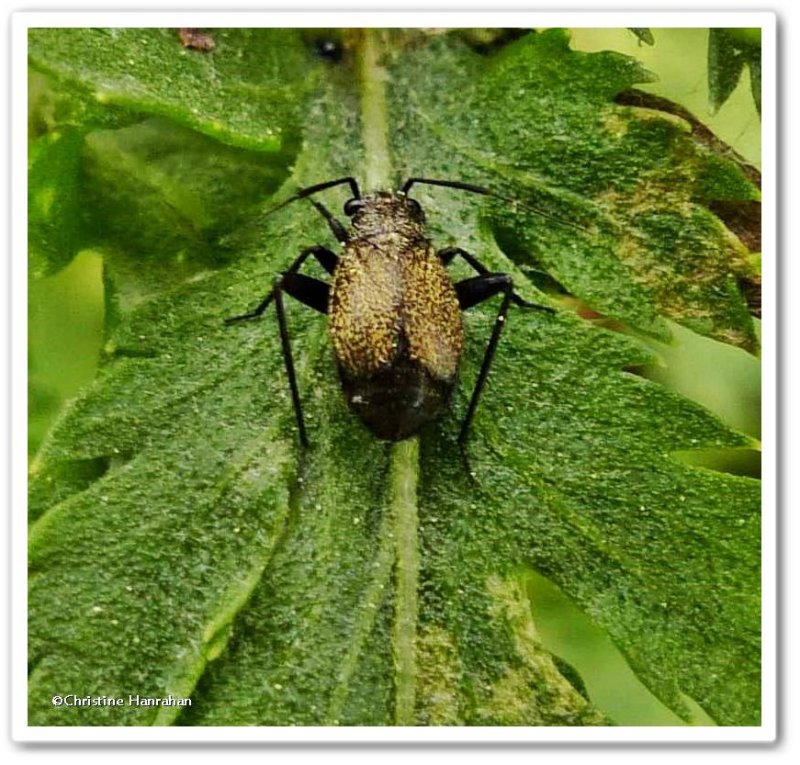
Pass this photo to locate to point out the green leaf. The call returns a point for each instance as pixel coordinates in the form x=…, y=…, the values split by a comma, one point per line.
x=176, y=189
x=59, y=219
x=164, y=190
x=244, y=92
x=182, y=544
x=635, y=184
x=725, y=64
x=754, y=64
x=728, y=52
x=56, y=225
x=644, y=35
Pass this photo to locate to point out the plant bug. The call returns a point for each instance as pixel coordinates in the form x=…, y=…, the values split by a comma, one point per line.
x=394, y=315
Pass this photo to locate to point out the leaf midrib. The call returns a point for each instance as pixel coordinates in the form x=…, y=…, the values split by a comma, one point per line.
x=402, y=512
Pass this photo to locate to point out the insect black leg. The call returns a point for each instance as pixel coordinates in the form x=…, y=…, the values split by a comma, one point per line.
x=324, y=256
x=447, y=254
x=309, y=291
x=337, y=228
x=471, y=292
x=314, y=294
x=289, y=364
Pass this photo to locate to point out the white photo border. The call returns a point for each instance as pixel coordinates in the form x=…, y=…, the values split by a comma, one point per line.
x=22, y=21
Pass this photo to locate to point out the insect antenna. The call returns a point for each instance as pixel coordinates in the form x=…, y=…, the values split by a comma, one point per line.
x=317, y=187
x=302, y=194
x=472, y=188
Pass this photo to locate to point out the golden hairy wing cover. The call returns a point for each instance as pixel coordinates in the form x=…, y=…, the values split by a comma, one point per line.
x=382, y=299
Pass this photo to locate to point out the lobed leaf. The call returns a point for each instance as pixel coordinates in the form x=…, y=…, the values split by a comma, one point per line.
x=728, y=52
x=248, y=94
x=182, y=544
x=630, y=187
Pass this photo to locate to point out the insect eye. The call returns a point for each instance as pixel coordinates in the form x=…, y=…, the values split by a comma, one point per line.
x=352, y=206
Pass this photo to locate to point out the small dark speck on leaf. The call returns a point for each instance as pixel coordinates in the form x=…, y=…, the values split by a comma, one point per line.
x=328, y=50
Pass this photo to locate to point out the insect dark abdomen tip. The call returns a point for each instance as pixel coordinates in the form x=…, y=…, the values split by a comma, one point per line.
x=397, y=402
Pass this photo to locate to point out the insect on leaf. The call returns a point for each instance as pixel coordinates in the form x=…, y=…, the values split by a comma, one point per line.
x=181, y=542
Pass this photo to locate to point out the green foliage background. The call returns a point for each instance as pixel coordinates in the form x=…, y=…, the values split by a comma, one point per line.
x=180, y=544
